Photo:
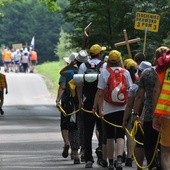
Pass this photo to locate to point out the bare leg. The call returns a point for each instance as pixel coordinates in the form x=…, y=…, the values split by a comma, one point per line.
x=65, y=135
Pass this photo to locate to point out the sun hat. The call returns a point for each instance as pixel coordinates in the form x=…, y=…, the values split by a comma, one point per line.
x=82, y=56
x=96, y=49
x=143, y=65
x=114, y=56
x=71, y=57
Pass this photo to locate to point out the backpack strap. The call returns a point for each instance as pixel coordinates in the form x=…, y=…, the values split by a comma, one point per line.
x=99, y=64
x=87, y=64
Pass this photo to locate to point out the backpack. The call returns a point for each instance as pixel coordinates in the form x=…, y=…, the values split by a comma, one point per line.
x=90, y=87
x=116, y=91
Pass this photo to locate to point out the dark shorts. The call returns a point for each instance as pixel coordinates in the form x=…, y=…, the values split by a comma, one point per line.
x=113, y=132
x=33, y=62
x=7, y=62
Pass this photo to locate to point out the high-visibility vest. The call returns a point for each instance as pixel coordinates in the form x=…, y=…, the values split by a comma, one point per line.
x=7, y=56
x=163, y=103
x=33, y=55
x=2, y=81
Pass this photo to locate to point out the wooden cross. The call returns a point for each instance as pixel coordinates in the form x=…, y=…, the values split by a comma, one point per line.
x=127, y=43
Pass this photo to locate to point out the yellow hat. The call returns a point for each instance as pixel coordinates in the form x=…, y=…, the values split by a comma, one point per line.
x=131, y=64
x=126, y=61
x=114, y=56
x=96, y=49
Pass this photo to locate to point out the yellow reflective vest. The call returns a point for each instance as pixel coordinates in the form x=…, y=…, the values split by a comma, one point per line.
x=163, y=103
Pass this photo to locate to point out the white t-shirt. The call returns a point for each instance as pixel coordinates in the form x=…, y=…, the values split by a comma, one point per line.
x=102, y=84
x=83, y=68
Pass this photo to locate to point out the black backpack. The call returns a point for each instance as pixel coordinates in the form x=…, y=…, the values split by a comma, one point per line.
x=90, y=88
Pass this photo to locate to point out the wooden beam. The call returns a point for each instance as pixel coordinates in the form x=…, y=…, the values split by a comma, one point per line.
x=127, y=43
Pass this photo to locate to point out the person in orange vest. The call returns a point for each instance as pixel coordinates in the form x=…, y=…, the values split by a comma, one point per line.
x=161, y=102
x=33, y=60
x=3, y=85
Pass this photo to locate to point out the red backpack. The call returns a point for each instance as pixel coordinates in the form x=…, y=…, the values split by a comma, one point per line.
x=116, y=91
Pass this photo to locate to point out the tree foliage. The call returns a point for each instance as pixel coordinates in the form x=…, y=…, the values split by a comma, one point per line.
x=110, y=17
x=24, y=19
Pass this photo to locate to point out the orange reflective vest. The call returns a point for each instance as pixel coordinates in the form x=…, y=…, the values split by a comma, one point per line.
x=163, y=103
x=33, y=55
x=2, y=81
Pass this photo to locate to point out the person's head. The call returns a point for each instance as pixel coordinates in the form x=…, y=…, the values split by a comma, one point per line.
x=115, y=59
x=158, y=53
x=131, y=66
x=96, y=51
x=25, y=53
x=143, y=65
x=139, y=57
x=82, y=57
x=126, y=61
x=71, y=58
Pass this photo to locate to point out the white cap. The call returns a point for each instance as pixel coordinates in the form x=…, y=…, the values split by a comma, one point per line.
x=143, y=65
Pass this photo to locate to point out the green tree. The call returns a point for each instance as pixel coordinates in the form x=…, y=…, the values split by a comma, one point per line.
x=110, y=17
x=24, y=19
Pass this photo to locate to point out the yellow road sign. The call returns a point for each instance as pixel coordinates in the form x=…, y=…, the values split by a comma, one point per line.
x=147, y=20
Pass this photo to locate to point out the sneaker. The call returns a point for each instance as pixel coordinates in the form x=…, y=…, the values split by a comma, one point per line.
x=111, y=167
x=103, y=163
x=128, y=162
x=76, y=161
x=2, y=112
x=65, y=151
x=89, y=164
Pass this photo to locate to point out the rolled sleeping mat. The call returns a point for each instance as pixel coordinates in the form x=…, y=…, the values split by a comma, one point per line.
x=79, y=78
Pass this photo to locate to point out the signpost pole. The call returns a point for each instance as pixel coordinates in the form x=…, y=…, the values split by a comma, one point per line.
x=144, y=45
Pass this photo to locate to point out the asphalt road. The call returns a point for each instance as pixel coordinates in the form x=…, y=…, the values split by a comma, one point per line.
x=30, y=136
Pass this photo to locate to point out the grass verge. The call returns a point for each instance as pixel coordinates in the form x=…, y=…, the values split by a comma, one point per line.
x=50, y=73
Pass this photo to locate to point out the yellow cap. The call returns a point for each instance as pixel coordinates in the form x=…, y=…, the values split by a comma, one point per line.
x=131, y=64
x=125, y=62
x=96, y=49
x=114, y=56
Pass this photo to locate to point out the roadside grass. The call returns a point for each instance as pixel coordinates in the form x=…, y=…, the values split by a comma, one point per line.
x=50, y=73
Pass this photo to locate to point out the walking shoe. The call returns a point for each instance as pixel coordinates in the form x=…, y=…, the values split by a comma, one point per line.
x=2, y=112
x=76, y=161
x=128, y=162
x=89, y=164
x=103, y=163
x=65, y=151
x=111, y=167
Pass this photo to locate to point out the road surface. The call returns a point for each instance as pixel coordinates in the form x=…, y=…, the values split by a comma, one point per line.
x=30, y=136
